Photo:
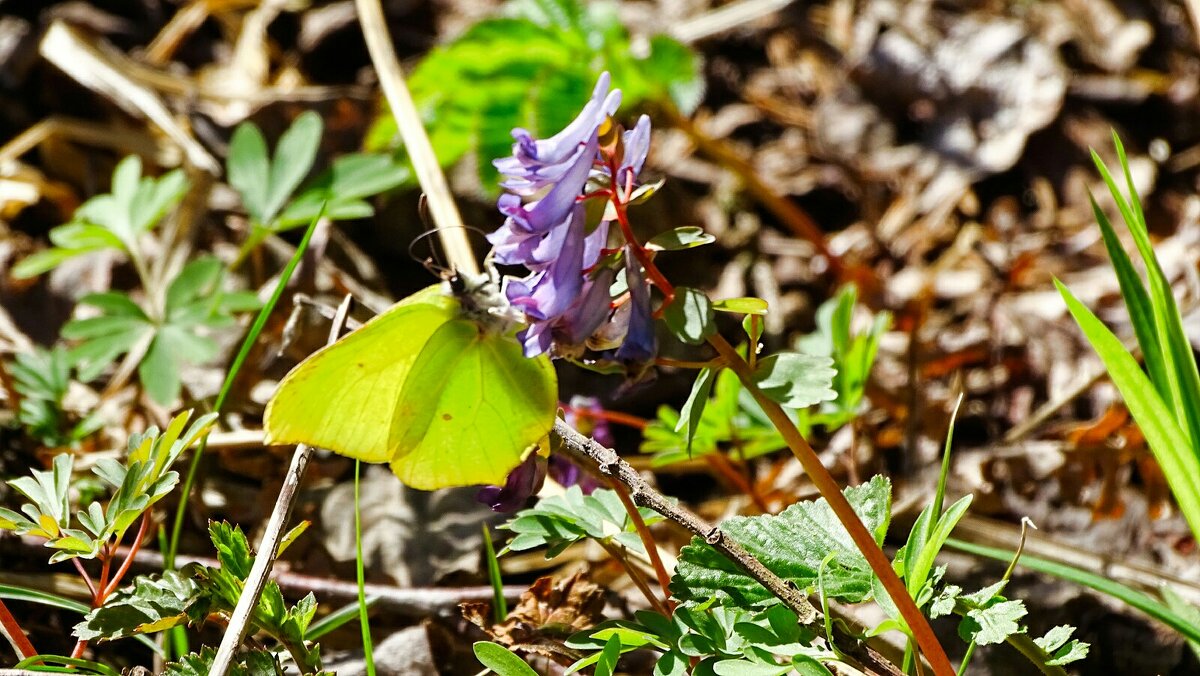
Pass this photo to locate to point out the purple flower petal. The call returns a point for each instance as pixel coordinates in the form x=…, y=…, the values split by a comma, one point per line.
x=522, y=483
x=641, y=344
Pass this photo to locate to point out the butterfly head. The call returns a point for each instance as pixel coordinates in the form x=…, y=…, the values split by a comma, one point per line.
x=483, y=300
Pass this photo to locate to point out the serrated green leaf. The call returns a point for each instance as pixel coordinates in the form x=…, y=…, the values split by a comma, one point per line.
x=249, y=662
x=793, y=545
x=993, y=624
x=233, y=551
x=152, y=604
x=556, y=522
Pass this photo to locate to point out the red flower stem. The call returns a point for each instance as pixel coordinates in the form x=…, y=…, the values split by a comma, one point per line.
x=828, y=487
x=86, y=578
x=133, y=550
x=617, y=417
x=643, y=531
x=107, y=555
x=13, y=631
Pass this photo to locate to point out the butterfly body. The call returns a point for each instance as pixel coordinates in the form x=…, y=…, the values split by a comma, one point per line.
x=436, y=386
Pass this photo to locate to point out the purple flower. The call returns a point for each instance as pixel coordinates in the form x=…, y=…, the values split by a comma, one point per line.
x=640, y=344
x=565, y=296
x=568, y=474
x=522, y=482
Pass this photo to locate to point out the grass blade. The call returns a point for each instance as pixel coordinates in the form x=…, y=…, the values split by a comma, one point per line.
x=251, y=337
x=1137, y=301
x=337, y=619
x=1166, y=439
x=1136, y=599
x=1183, y=379
x=499, y=605
x=364, y=622
x=17, y=593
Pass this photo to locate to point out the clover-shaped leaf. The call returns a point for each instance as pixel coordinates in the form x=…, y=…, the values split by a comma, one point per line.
x=113, y=220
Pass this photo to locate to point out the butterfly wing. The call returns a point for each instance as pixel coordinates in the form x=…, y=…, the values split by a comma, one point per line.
x=470, y=410
x=342, y=397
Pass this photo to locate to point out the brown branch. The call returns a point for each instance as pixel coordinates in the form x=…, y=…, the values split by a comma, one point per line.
x=588, y=452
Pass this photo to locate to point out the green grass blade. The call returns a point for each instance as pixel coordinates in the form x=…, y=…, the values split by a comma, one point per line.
x=1166, y=439
x=1183, y=379
x=337, y=619
x=499, y=605
x=40, y=663
x=251, y=337
x=1136, y=599
x=18, y=593
x=364, y=622
x=1137, y=301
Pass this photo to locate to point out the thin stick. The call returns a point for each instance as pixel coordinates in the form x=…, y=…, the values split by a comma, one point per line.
x=268, y=549
x=618, y=555
x=416, y=142
x=589, y=452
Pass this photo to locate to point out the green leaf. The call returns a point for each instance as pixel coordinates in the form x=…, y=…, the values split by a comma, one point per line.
x=1183, y=378
x=152, y=604
x=690, y=316
x=249, y=169
x=747, y=668
x=992, y=624
x=795, y=380
x=294, y=155
x=1183, y=608
x=1167, y=440
x=685, y=237
x=742, y=306
x=607, y=664
x=559, y=521
x=1057, y=642
x=1143, y=602
x=249, y=662
x=233, y=551
x=693, y=408
x=675, y=67
x=501, y=660
x=793, y=545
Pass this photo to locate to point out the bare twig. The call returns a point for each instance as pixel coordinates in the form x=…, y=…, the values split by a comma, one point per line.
x=724, y=18
x=268, y=549
x=96, y=70
x=416, y=142
x=588, y=452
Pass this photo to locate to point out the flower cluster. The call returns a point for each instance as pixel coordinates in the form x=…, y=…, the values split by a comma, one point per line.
x=567, y=297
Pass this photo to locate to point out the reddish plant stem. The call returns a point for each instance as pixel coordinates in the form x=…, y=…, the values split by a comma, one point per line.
x=617, y=417
x=643, y=531
x=721, y=465
x=13, y=631
x=639, y=581
x=86, y=578
x=828, y=487
x=107, y=587
x=684, y=364
x=125, y=565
